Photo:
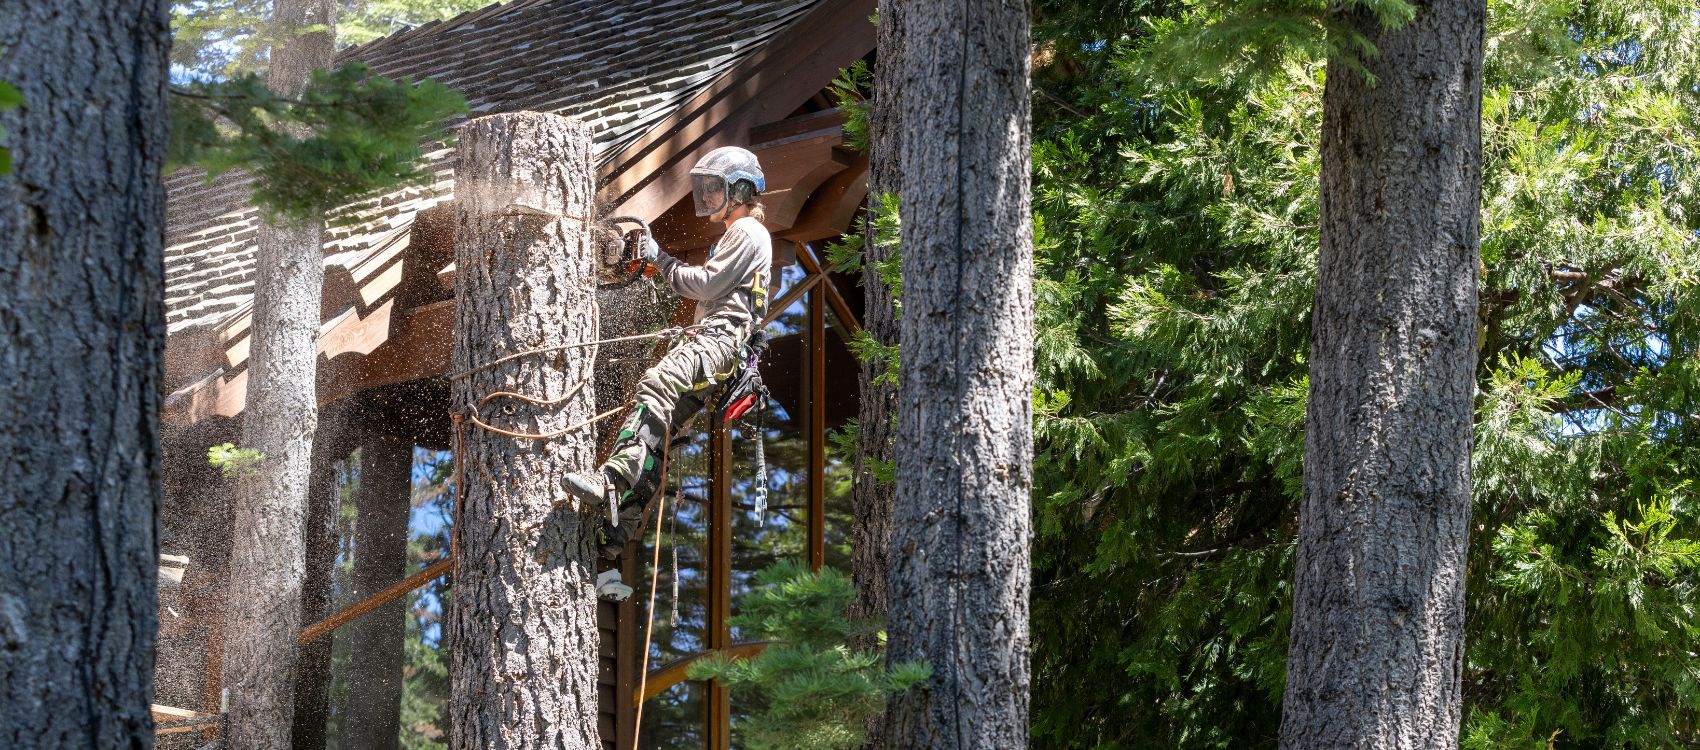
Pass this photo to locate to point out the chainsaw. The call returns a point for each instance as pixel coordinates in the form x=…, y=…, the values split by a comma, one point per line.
x=620, y=251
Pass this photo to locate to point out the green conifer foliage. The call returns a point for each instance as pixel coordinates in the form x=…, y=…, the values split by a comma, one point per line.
x=10, y=98
x=349, y=135
x=221, y=39
x=815, y=688
x=1177, y=241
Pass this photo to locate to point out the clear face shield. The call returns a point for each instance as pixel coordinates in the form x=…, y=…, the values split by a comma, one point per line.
x=709, y=192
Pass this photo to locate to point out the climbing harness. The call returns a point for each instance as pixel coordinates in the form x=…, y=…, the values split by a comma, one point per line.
x=743, y=393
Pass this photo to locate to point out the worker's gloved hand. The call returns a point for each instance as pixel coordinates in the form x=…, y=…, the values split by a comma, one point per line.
x=648, y=250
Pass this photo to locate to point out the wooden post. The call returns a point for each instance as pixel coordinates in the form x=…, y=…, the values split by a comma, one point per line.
x=816, y=400
x=313, y=667
x=719, y=702
x=380, y=559
x=522, y=633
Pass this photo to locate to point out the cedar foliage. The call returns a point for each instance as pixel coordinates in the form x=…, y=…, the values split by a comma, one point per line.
x=1176, y=211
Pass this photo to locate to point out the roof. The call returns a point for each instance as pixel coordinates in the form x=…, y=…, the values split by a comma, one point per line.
x=623, y=66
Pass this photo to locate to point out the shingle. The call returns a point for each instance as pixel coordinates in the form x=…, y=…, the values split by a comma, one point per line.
x=625, y=65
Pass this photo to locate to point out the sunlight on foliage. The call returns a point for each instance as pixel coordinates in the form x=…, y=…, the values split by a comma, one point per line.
x=348, y=135
x=233, y=461
x=817, y=689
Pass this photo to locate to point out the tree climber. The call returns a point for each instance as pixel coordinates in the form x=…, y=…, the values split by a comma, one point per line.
x=730, y=290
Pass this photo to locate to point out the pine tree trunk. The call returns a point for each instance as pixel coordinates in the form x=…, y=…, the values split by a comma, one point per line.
x=872, y=499
x=961, y=529
x=522, y=636
x=82, y=332
x=1378, y=608
x=268, y=545
x=380, y=560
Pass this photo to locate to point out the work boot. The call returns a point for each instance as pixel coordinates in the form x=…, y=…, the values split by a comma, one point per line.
x=611, y=588
x=591, y=490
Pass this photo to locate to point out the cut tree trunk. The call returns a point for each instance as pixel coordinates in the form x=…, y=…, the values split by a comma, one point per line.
x=268, y=547
x=1376, y=653
x=82, y=333
x=522, y=636
x=871, y=498
x=380, y=560
x=961, y=527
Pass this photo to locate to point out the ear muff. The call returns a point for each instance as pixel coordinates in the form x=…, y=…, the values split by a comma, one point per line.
x=743, y=191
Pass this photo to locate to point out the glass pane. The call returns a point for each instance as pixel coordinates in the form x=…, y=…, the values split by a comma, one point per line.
x=785, y=277
x=762, y=536
x=842, y=396
x=681, y=608
x=425, y=672
x=673, y=720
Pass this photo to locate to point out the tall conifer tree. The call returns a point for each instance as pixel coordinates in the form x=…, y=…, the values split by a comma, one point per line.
x=267, y=563
x=82, y=336
x=1377, y=651
x=961, y=526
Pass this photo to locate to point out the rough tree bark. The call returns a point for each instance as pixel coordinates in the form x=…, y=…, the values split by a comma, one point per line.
x=961, y=527
x=523, y=638
x=82, y=332
x=872, y=499
x=380, y=559
x=1378, y=608
x=268, y=548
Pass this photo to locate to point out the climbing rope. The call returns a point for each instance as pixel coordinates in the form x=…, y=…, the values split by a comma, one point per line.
x=673, y=537
x=672, y=332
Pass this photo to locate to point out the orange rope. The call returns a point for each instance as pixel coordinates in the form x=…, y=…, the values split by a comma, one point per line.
x=472, y=416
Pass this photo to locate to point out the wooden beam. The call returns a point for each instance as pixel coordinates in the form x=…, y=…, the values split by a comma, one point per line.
x=817, y=423
x=672, y=673
x=719, y=704
x=791, y=127
x=790, y=297
x=795, y=168
x=806, y=256
x=833, y=205
x=354, y=611
x=646, y=177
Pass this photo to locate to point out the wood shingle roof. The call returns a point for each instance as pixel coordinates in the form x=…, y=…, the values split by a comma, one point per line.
x=624, y=66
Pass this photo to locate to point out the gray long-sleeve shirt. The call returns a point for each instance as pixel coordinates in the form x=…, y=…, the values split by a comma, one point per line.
x=734, y=279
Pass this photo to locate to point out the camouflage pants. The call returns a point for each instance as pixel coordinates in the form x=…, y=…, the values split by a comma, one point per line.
x=668, y=396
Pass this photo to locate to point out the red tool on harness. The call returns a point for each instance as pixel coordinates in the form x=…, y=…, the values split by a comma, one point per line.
x=744, y=391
